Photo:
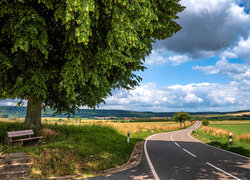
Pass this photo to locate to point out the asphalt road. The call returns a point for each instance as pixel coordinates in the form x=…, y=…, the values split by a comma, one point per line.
x=176, y=155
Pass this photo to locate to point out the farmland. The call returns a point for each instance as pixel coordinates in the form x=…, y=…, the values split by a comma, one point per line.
x=217, y=134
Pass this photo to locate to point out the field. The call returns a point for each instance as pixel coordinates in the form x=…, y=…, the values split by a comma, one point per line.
x=82, y=148
x=217, y=134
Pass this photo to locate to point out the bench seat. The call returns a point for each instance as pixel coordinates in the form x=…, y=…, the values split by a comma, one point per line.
x=23, y=134
x=26, y=139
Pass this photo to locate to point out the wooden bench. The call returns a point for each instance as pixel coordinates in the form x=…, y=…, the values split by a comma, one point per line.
x=16, y=134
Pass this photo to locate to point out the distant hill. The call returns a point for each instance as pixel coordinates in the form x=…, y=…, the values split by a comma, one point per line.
x=19, y=112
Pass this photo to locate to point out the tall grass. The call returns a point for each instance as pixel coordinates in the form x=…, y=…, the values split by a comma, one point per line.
x=223, y=132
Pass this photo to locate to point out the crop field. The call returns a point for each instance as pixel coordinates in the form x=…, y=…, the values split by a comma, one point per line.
x=217, y=134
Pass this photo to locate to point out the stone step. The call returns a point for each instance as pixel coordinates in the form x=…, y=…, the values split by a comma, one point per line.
x=15, y=167
x=13, y=155
x=15, y=175
x=14, y=160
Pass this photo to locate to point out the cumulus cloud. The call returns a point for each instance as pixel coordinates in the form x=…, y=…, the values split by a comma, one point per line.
x=208, y=26
x=245, y=4
x=156, y=58
x=236, y=71
x=243, y=48
x=190, y=97
x=9, y=102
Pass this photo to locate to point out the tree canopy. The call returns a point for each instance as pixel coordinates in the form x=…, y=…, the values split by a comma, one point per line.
x=182, y=117
x=65, y=54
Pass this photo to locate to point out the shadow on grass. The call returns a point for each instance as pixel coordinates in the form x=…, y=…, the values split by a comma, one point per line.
x=229, y=147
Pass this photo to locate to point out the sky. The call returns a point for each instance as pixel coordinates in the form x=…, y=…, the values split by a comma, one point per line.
x=203, y=67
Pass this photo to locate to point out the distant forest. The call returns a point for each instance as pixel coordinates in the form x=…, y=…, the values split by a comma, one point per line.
x=20, y=112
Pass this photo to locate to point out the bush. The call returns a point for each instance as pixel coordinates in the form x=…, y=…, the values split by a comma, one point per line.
x=205, y=122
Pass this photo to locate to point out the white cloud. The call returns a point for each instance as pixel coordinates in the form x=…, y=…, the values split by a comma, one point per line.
x=236, y=71
x=190, y=97
x=9, y=102
x=243, y=48
x=157, y=58
x=228, y=54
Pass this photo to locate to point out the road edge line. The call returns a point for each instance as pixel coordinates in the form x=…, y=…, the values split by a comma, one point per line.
x=217, y=147
x=149, y=161
x=222, y=171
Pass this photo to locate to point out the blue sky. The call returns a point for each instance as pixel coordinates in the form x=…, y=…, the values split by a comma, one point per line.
x=203, y=67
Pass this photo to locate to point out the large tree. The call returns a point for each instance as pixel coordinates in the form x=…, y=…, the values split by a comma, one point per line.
x=182, y=117
x=64, y=54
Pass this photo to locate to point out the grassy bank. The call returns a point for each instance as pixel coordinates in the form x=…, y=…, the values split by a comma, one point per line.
x=217, y=134
x=82, y=148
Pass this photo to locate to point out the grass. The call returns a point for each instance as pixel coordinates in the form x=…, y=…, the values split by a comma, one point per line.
x=83, y=148
x=234, y=128
x=218, y=135
x=231, y=122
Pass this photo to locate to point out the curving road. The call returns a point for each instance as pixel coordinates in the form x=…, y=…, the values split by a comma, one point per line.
x=176, y=155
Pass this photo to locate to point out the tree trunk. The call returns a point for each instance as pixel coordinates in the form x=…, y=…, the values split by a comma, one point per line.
x=184, y=124
x=33, y=114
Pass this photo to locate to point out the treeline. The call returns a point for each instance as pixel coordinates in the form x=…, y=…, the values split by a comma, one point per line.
x=13, y=112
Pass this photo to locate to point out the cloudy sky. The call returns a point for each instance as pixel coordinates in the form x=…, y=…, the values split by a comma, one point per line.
x=204, y=67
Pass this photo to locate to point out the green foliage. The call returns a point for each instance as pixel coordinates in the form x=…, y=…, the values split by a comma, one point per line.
x=77, y=119
x=205, y=122
x=73, y=53
x=182, y=117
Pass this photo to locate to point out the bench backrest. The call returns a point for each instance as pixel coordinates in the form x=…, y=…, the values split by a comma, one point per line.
x=20, y=133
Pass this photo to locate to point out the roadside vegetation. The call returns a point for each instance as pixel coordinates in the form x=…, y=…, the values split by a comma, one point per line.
x=81, y=147
x=217, y=134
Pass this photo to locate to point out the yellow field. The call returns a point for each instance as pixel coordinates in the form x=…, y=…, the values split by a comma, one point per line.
x=144, y=126
x=132, y=127
x=229, y=122
x=239, y=114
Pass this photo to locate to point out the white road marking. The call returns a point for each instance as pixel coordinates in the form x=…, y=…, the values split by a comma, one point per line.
x=177, y=144
x=222, y=171
x=189, y=152
x=149, y=161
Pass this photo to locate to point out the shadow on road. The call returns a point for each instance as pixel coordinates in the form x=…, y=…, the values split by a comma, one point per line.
x=172, y=162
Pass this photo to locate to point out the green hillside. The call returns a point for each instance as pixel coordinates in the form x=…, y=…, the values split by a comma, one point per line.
x=19, y=112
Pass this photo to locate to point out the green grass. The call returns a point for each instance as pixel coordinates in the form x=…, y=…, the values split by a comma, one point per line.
x=235, y=128
x=222, y=142
x=71, y=149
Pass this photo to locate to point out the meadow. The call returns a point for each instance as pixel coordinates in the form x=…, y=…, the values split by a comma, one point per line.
x=217, y=134
x=81, y=147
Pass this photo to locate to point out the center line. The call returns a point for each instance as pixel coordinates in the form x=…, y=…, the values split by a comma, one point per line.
x=189, y=152
x=222, y=171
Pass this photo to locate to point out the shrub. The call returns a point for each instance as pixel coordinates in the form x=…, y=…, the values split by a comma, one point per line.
x=205, y=122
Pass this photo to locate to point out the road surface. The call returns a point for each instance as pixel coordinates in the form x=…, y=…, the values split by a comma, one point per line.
x=176, y=155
